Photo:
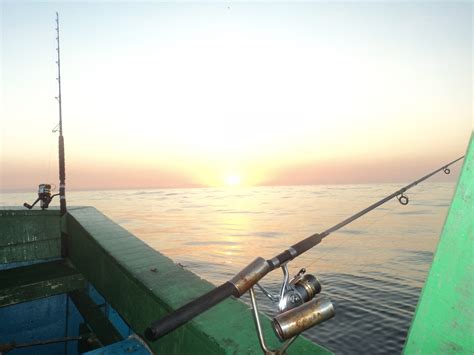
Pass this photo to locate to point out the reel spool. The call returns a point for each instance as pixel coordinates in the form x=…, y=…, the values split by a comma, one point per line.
x=300, y=291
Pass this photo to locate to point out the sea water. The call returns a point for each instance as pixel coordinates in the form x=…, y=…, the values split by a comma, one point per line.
x=372, y=270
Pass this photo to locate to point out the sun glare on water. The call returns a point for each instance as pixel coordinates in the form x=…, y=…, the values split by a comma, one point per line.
x=232, y=180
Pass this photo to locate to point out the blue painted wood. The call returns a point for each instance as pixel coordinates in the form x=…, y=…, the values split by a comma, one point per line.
x=113, y=316
x=25, y=263
x=41, y=319
x=130, y=346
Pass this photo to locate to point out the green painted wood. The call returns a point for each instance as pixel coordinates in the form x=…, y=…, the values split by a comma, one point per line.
x=27, y=235
x=28, y=283
x=444, y=318
x=95, y=318
x=143, y=285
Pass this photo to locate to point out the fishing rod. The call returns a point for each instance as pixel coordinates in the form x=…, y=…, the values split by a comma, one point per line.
x=299, y=311
x=44, y=190
x=62, y=160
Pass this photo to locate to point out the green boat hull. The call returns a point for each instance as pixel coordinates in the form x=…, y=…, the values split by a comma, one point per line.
x=444, y=318
x=138, y=283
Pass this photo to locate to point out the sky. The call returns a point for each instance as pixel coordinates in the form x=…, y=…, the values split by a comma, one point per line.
x=184, y=94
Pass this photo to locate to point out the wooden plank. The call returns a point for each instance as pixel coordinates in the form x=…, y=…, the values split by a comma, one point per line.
x=95, y=318
x=28, y=283
x=131, y=346
x=19, y=226
x=41, y=249
x=29, y=235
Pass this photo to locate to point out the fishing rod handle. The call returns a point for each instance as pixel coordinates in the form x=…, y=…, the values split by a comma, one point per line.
x=236, y=286
x=190, y=310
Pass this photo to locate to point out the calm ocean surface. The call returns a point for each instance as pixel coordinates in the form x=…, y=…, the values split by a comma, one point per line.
x=372, y=270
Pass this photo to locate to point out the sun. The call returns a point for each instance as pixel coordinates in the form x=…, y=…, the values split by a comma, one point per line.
x=232, y=180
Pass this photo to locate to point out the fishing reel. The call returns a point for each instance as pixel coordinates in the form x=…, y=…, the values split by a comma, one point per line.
x=44, y=197
x=298, y=308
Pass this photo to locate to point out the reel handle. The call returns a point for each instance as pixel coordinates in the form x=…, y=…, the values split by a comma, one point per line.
x=190, y=310
x=27, y=205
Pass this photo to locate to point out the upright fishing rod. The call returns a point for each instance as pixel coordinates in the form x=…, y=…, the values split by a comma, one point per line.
x=299, y=311
x=62, y=163
x=44, y=190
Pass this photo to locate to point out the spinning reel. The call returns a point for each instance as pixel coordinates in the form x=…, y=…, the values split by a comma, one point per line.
x=44, y=197
x=298, y=307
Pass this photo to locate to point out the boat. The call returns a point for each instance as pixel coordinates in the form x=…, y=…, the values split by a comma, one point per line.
x=75, y=282
x=105, y=292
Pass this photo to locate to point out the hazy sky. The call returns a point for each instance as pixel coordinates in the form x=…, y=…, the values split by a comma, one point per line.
x=203, y=93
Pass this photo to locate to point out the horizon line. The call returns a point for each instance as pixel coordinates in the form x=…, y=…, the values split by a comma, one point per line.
x=25, y=190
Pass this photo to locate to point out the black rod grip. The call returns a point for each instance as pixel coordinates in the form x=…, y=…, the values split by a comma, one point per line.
x=299, y=248
x=306, y=244
x=190, y=310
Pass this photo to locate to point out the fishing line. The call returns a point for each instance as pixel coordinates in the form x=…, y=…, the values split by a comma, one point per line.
x=362, y=269
x=48, y=173
x=366, y=224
